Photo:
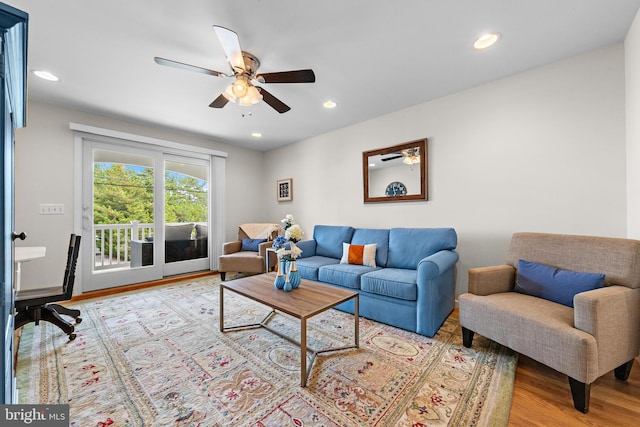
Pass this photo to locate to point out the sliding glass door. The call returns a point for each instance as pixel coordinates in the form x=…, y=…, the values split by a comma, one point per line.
x=146, y=214
x=186, y=215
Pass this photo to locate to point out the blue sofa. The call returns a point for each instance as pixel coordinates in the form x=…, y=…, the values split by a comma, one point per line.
x=412, y=285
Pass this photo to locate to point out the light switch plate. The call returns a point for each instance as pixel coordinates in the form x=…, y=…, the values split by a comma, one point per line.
x=51, y=209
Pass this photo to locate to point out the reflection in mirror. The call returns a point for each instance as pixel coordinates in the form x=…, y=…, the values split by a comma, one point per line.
x=396, y=173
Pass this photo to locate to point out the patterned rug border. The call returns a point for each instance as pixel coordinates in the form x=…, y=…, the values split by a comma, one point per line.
x=192, y=388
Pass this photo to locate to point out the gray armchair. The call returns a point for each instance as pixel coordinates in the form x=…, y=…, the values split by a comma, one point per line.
x=248, y=253
x=600, y=333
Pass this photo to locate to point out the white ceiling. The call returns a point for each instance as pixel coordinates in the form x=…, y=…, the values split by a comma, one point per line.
x=372, y=57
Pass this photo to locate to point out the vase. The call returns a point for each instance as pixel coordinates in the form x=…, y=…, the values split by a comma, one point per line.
x=287, y=284
x=294, y=275
x=280, y=280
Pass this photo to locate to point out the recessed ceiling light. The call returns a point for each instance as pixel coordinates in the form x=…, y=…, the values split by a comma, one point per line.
x=45, y=75
x=329, y=104
x=486, y=40
x=256, y=134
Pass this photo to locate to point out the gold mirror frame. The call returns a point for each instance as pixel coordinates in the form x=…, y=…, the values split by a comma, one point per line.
x=397, y=153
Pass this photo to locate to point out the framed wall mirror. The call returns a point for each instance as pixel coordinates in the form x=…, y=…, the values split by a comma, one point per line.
x=396, y=174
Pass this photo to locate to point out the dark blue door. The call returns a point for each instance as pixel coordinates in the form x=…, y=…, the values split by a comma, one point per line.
x=13, y=58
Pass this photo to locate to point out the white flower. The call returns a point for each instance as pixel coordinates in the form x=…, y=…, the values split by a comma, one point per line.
x=293, y=233
x=287, y=221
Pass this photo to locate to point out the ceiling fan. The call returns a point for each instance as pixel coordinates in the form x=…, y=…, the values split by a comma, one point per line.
x=410, y=156
x=244, y=66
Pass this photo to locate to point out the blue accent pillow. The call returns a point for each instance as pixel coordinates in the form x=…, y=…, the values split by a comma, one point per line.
x=251, y=245
x=554, y=284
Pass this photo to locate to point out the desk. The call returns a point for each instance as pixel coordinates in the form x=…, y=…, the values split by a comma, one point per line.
x=24, y=254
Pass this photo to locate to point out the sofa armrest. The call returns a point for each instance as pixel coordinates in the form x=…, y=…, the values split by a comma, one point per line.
x=231, y=247
x=434, y=265
x=436, y=290
x=612, y=315
x=492, y=280
x=308, y=248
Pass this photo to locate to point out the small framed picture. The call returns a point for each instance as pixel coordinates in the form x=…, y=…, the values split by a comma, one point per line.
x=284, y=190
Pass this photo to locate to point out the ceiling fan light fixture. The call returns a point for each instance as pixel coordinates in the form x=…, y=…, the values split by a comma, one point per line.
x=240, y=87
x=254, y=95
x=411, y=160
x=411, y=156
x=228, y=93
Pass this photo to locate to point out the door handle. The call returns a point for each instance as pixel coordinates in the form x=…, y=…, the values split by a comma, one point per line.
x=20, y=236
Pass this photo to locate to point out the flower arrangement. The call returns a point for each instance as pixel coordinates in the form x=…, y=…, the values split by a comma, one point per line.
x=292, y=234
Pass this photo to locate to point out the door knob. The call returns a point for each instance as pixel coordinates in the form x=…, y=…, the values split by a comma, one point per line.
x=20, y=236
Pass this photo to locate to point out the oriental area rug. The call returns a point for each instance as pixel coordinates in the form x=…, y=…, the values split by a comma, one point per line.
x=156, y=357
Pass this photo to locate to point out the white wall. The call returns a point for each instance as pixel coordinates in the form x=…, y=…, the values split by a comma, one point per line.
x=44, y=174
x=543, y=150
x=632, y=79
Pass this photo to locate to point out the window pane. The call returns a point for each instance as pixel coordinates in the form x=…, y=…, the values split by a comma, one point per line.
x=186, y=211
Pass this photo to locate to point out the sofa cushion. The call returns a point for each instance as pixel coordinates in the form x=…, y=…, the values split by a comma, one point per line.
x=392, y=282
x=359, y=254
x=329, y=239
x=202, y=232
x=554, y=284
x=251, y=245
x=178, y=232
x=364, y=236
x=347, y=275
x=407, y=246
x=308, y=267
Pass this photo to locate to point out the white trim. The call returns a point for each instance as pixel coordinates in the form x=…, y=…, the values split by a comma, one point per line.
x=216, y=209
x=77, y=204
x=144, y=139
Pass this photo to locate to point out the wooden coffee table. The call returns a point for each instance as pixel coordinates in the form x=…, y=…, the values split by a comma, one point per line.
x=309, y=299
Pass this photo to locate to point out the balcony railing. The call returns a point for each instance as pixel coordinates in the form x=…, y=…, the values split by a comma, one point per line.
x=113, y=243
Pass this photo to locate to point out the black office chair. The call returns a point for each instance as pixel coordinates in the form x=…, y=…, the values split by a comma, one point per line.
x=32, y=305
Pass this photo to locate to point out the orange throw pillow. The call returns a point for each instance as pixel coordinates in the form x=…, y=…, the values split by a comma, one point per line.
x=359, y=254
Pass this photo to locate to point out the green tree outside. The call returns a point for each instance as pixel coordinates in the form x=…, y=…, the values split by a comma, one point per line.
x=123, y=194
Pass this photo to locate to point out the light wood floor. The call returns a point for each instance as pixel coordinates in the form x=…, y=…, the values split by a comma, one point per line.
x=542, y=398
x=541, y=395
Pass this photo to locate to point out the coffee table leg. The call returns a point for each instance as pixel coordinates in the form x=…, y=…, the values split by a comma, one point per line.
x=356, y=317
x=221, y=309
x=303, y=352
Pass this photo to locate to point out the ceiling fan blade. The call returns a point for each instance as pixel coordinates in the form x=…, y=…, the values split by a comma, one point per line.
x=274, y=102
x=391, y=158
x=296, y=76
x=175, y=64
x=231, y=46
x=219, y=102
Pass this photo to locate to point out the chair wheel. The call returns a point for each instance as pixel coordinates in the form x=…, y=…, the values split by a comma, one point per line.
x=72, y=337
x=78, y=319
